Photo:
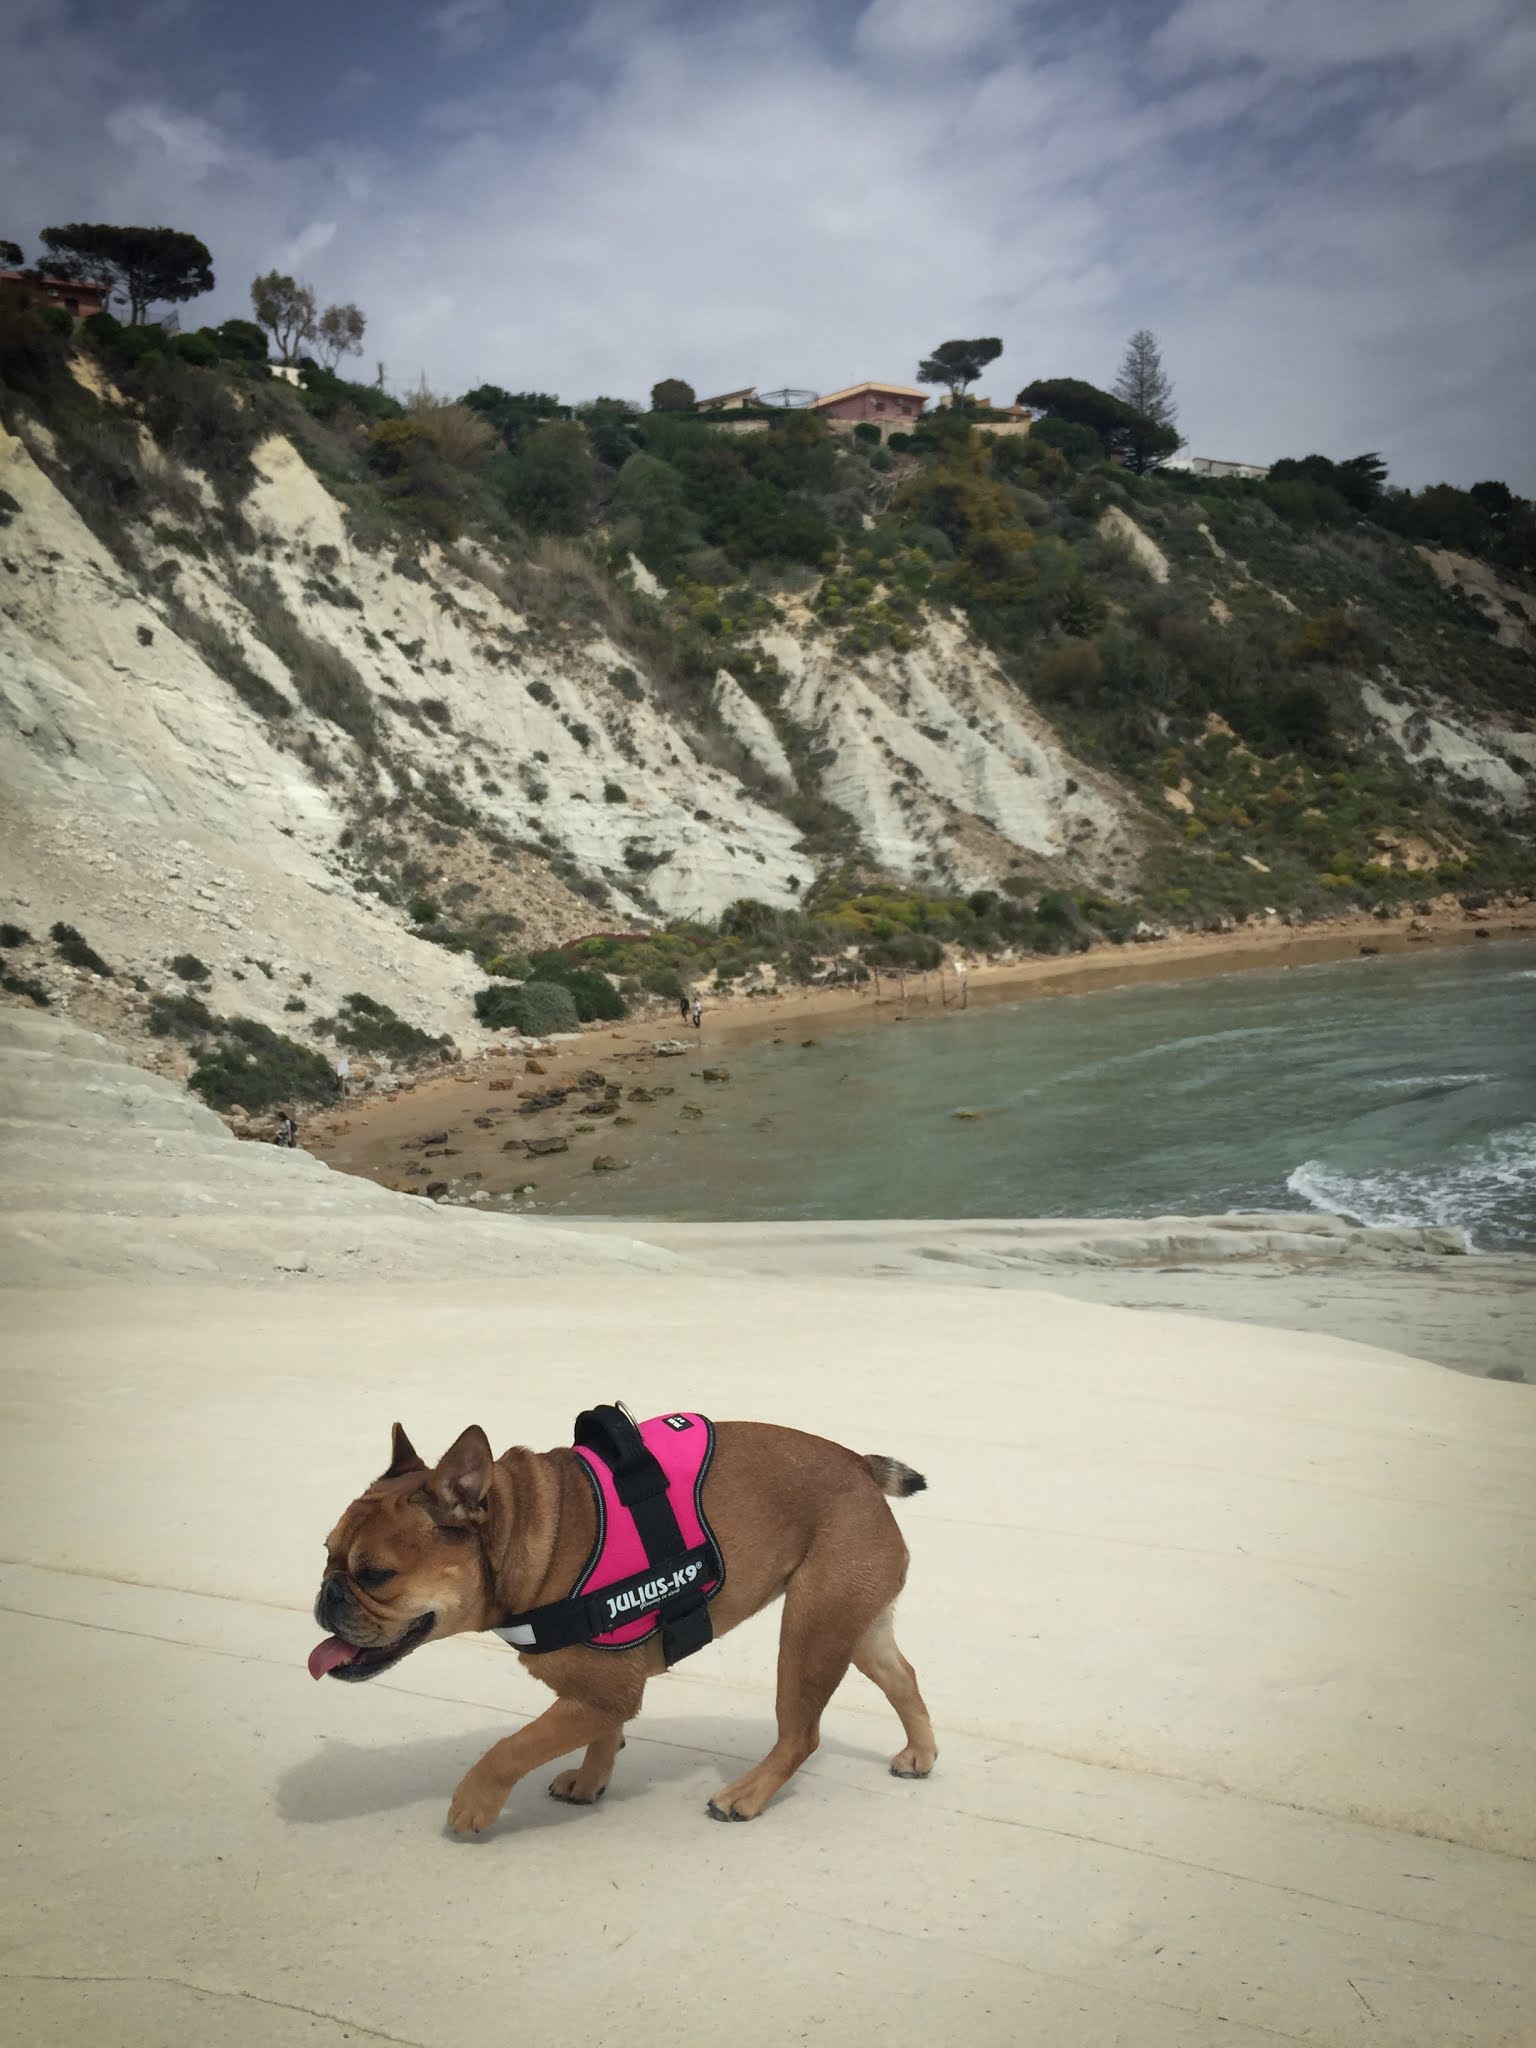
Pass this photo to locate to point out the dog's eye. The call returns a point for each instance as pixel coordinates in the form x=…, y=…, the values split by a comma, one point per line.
x=372, y=1577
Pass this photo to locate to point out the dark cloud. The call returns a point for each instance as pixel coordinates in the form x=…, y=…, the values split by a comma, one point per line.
x=1325, y=212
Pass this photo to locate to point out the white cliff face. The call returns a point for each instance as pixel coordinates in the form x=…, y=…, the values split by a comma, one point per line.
x=949, y=772
x=1482, y=761
x=144, y=800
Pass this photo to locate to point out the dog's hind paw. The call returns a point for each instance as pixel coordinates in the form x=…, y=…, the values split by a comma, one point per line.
x=726, y=1813
x=569, y=1790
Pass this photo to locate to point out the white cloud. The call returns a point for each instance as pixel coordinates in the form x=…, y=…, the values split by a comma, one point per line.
x=1332, y=260
x=1303, y=37
x=928, y=30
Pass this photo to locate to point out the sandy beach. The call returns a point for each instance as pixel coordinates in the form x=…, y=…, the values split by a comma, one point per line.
x=1224, y=1629
x=486, y=1108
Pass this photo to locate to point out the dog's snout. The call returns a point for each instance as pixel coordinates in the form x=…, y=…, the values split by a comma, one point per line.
x=331, y=1606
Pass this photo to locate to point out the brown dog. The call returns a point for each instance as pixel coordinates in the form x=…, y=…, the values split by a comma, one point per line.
x=425, y=1554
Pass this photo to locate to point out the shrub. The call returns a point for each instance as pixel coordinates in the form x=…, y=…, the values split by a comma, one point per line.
x=590, y=990
x=75, y=952
x=424, y=910
x=258, y=1068
x=14, y=935
x=190, y=968
x=508, y=966
x=913, y=952
x=197, y=348
x=613, y=793
x=364, y=1025
x=1071, y=673
x=181, y=1017
x=538, y=1009
x=1331, y=636
x=241, y=341
x=25, y=985
x=1303, y=717
x=867, y=432
x=1078, y=443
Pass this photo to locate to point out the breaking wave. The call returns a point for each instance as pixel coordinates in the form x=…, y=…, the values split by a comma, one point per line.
x=1488, y=1188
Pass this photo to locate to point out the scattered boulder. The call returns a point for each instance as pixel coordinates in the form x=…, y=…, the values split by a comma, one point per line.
x=1370, y=949
x=642, y=1095
x=589, y=1077
x=670, y=1048
x=539, y=1148
x=716, y=1074
x=534, y=1067
x=435, y=1190
x=431, y=1138
x=497, y=1086
x=690, y=1109
x=605, y=1162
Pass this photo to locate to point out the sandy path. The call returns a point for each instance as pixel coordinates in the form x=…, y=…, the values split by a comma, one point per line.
x=1226, y=1632
x=1224, y=1643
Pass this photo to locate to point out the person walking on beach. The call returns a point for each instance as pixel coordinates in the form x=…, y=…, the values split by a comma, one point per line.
x=287, y=1131
x=698, y=1013
x=343, y=1075
x=682, y=1006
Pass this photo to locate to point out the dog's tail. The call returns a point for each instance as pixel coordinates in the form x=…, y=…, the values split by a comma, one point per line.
x=894, y=1478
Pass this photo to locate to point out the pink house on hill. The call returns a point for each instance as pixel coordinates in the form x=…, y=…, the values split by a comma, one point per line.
x=77, y=295
x=888, y=405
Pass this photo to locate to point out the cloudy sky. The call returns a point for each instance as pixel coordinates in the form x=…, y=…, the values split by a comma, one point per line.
x=1324, y=208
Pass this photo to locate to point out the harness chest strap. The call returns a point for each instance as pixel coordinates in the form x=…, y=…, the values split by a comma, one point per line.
x=678, y=1578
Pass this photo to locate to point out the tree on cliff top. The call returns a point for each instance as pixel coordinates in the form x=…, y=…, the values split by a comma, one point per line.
x=286, y=309
x=957, y=364
x=1143, y=384
x=1139, y=442
x=672, y=394
x=145, y=266
x=10, y=254
x=339, y=332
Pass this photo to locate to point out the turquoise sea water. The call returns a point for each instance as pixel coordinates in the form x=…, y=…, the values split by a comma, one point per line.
x=1393, y=1090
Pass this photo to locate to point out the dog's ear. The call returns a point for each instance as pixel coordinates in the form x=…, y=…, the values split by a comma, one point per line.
x=403, y=1457
x=462, y=1477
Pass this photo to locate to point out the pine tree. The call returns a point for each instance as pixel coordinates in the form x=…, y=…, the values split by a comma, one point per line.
x=1143, y=383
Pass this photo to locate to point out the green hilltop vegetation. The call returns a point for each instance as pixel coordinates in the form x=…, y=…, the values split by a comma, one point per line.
x=1245, y=704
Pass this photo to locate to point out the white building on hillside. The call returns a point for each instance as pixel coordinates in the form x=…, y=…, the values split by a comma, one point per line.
x=1209, y=465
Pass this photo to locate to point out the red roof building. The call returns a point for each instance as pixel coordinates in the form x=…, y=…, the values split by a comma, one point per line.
x=888, y=404
x=79, y=296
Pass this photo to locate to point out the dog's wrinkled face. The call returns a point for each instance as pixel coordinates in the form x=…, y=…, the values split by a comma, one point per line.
x=403, y=1565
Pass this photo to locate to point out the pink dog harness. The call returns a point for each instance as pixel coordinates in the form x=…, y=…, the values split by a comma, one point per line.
x=655, y=1564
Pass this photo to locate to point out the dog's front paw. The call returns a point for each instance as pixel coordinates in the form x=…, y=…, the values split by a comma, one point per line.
x=476, y=1803
x=913, y=1762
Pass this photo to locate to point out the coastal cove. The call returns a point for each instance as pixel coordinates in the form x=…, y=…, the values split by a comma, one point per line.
x=1395, y=1089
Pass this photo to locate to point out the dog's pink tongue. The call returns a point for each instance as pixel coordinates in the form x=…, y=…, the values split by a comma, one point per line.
x=327, y=1655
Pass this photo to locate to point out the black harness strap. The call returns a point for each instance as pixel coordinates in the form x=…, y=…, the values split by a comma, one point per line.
x=674, y=1578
